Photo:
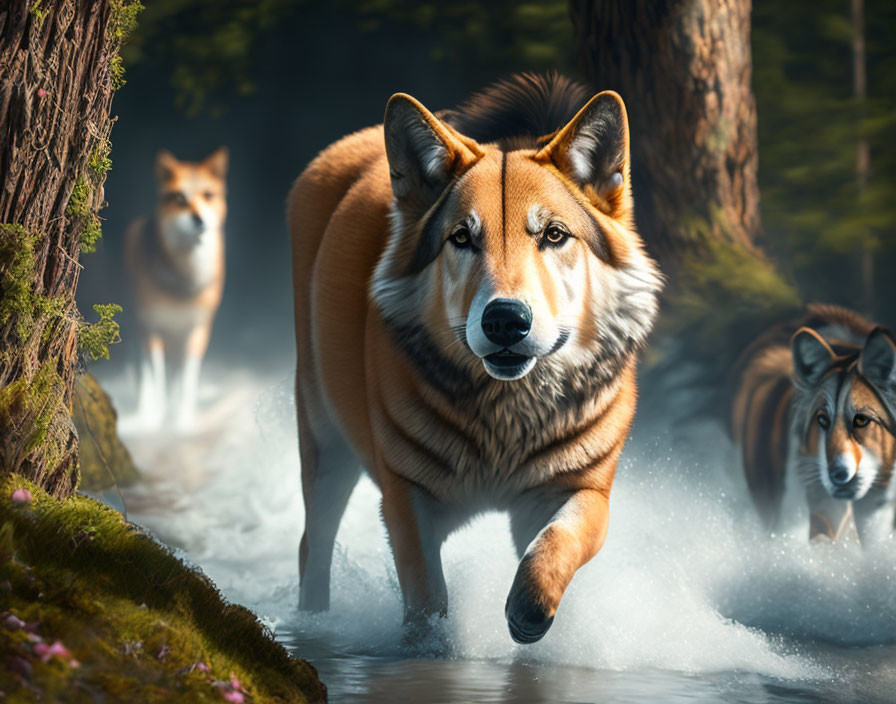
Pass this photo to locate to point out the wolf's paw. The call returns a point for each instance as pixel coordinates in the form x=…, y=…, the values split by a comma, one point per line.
x=527, y=619
x=425, y=635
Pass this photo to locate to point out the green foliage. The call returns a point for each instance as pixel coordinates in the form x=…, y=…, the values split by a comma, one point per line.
x=94, y=338
x=122, y=23
x=90, y=235
x=817, y=218
x=482, y=37
x=134, y=618
x=212, y=44
x=123, y=18
x=116, y=69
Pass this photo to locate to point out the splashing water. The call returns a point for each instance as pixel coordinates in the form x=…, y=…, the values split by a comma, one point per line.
x=687, y=596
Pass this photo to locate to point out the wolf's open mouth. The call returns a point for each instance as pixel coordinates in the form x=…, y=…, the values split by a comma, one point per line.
x=508, y=365
x=505, y=359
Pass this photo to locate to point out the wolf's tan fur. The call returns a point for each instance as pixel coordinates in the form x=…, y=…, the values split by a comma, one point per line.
x=386, y=373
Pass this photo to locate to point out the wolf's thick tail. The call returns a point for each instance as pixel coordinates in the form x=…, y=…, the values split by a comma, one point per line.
x=760, y=424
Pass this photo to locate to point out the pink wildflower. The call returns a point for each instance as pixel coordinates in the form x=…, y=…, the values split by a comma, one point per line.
x=41, y=92
x=13, y=623
x=21, y=496
x=48, y=652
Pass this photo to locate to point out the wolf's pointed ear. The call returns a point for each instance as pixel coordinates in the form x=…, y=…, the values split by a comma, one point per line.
x=812, y=356
x=166, y=163
x=877, y=362
x=217, y=162
x=593, y=151
x=424, y=154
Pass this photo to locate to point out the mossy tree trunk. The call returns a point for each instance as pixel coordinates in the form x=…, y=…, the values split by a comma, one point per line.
x=684, y=68
x=58, y=68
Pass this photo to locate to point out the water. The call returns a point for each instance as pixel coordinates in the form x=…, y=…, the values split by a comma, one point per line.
x=688, y=601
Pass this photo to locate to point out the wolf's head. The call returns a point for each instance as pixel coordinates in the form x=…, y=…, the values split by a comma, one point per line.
x=844, y=412
x=192, y=198
x=513, y=256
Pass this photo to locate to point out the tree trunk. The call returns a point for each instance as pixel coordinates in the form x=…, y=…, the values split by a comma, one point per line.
x=863, y=149
x=58, y=66
x=683, y=67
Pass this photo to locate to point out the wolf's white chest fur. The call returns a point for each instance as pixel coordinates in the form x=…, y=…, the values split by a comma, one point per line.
x=201, y=263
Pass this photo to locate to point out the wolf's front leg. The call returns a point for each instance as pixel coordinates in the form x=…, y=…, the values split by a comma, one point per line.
x=572, y=536
x=874, y=516
x=188, y=397
x=829, y=518
x=151, y=399
x=416, y=533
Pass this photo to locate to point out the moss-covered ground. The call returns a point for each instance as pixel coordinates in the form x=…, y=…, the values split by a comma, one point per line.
x=94, y=610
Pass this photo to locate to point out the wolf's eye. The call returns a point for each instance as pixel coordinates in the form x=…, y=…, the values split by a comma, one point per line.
x=460, y=238
x=554, y=236
x=860, y=420
x=823, y=420
x=175, y=198
x=208, y=195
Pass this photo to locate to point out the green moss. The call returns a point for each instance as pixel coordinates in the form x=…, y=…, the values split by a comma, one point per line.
x=33, y=417
x=723, y=295
x=133, y=617
x=80, y=205
x=79, y=202
x=721, y=280
x=105, y=461
x=99, y=162
x=95, y=338
x=18, y=301
x=35, y=11
x=16, y=271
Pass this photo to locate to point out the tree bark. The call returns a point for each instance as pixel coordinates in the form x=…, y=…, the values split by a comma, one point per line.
x=683, y=68
x=57, y=73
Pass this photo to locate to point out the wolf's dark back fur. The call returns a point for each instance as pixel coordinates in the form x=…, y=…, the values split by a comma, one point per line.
x=516, y=112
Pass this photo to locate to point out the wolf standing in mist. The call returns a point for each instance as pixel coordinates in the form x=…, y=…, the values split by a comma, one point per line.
x=470, y=299
x=176, y=266
x=816, y=402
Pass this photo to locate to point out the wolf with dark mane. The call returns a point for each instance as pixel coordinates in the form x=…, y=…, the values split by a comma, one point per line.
x=470, y=299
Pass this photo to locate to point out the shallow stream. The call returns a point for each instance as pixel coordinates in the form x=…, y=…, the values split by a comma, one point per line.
x=688, y=601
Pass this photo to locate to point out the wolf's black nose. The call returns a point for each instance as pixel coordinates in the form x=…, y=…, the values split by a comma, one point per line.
x=506, y=321
x=840, y=474
x=197, y=220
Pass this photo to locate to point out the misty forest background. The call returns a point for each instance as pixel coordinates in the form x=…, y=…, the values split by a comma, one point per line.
x=278, y=80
